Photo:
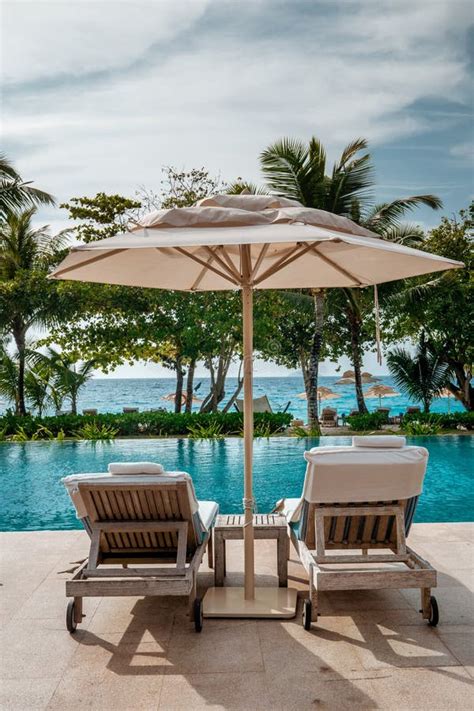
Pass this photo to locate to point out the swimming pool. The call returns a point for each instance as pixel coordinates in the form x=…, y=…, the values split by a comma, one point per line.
x=33, y=498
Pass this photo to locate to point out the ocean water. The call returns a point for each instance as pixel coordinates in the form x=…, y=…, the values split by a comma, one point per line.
x=111, y=395
x=33, y=497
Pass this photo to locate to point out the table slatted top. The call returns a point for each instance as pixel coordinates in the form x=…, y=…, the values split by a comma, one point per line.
x=259, y=521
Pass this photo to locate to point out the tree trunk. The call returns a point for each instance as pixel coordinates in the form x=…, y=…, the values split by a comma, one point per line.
x=355, y=328
x=19, y=334
x=314, y=358
x=236, y=393
x=218, y=377
x=190, y=385
x=178, y=397
x=462, y=389
x=74, y=402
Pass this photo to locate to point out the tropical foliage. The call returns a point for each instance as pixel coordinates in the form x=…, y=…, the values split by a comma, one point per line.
x=421, y=375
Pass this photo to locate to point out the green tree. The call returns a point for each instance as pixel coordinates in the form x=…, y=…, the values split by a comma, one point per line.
x=297, y=170
x=17, y=194
x=68, y=375
x=100, y=216
x=421, y=375
x=442, y=306
x=27, y=298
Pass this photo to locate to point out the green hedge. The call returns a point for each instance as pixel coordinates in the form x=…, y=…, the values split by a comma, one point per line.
x=371, y=421
x=446, y=421
x=144, y=423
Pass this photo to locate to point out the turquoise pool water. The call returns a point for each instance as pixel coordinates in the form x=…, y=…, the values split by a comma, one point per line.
x=33, y=498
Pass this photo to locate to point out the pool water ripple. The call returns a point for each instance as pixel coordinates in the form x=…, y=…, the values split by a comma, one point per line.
x=34, y=499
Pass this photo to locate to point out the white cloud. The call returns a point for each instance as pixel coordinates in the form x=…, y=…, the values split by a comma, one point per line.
x=464, y=151
x=44, y=38
x=209, y=95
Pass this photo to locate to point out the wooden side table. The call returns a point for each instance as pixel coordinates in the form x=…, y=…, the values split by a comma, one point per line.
x=267, y=526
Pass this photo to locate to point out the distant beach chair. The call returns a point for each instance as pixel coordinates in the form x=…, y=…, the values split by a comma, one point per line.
x=383, y=411
x=356, y=499
x=328, y=417
x=413, y=410
x=59, y=413
x=260, y=404
x=128, y=410
x=90, y=411
x=138, y=514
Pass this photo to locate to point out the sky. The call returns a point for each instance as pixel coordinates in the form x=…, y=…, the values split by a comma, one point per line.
x=99, y=95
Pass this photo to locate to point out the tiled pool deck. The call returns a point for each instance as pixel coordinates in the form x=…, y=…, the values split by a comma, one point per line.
x=369, y=649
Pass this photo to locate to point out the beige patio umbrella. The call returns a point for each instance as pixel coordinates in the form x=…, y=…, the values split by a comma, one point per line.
x=246, y=242
x=345, y=381
x=381, y=391
x=171, y=397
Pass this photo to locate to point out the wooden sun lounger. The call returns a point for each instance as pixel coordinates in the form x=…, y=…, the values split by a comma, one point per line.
x=360, y=543
x=343, y=527
x=132, y=526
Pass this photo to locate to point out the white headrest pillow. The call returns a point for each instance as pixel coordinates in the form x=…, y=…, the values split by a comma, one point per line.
x=379, y=441
x=135, y=468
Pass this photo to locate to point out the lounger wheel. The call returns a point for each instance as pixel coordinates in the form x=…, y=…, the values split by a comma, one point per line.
x=71, y=623
x=307, y=613
x=198, y=614
x=434, y=612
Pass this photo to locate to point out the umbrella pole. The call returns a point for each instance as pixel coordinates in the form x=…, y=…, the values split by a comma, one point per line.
x=247, y=323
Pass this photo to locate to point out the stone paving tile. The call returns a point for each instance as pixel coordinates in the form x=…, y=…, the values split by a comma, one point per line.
x=369, y=649
x=26, y=694
x=233, y=691
x=433, y=689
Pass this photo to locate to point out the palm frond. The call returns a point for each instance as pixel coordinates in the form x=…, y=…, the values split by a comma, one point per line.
x=388, y=214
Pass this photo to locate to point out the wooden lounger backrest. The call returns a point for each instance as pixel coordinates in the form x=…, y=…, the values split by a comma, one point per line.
x=355, y=531
x=128, y=502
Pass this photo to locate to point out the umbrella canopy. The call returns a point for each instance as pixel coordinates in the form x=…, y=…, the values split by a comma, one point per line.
x=171, y=397
x=348, y=374
x=381, y=391
x=246, y=242
x=345, y=381
x=323, y=394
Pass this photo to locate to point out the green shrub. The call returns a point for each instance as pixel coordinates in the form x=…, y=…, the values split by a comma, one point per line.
x=136, y=424
x=20, y=435
x=364, y=423
x=42, y=433
x=211, y=431
x=91, y=430
x=446, y=421
x=428, y=427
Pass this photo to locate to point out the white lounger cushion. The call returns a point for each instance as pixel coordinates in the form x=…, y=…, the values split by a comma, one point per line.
x=380, y=441
x=135, y=468
x=356, y=474
x=72, y=485
x=208, y=510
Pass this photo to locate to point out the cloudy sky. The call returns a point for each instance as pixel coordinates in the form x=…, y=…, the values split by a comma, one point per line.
x=100, y=94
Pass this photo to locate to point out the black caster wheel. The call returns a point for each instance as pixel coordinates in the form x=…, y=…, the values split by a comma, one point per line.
x=434, y=612
x=71, y=623
x=198, y=614
x=307, y=612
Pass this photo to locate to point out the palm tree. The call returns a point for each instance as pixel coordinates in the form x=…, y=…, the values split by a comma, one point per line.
x=296, y=170
x=9, y=378
x=37, y=387
x=25, y=250
x=68, y=377
x=421, y=375
x=15, y=193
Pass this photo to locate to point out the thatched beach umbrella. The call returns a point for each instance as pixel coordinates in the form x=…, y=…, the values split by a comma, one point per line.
x=381, y=391
x=246, y=242
x=324, y=393
x=345, y=381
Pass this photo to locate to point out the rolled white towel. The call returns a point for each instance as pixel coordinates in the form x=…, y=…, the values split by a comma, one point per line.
x=135, y=468
x=380, y=441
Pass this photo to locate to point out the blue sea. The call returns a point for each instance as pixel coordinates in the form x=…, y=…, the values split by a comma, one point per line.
x=111, y=395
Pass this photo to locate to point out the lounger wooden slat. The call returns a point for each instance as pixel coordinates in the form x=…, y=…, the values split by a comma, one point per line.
x=136, y=524
x=332, y=533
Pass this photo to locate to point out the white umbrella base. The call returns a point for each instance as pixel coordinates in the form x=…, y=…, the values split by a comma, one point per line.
x=268, y=602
